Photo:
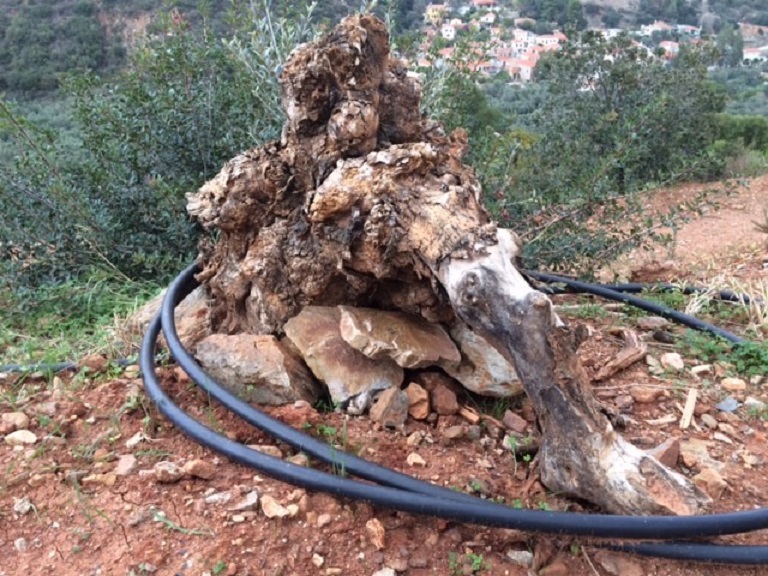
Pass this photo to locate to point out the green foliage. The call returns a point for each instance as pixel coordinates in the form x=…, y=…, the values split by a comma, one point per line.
x=747, y=359
x=612, y=122
x=64, y=321
x=185, y=104
x=39, y=41
x=750, y=358
x=611, y=18
x=678, y=11
x=469, y=563
x=746, y=90
x=560, y=12
x=730, y=45
x=750, y=131
x=494, y=144
x=740, y=11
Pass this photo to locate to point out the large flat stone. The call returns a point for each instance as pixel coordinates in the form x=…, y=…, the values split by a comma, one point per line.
x=482, y=369
x=348, y=373
x=408, y=340
x=257, y=368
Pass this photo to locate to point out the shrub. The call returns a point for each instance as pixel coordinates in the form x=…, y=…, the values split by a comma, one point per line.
x=185, y=104
x=614, y=121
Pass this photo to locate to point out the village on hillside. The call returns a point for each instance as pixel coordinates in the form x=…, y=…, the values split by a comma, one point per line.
x=511, y=45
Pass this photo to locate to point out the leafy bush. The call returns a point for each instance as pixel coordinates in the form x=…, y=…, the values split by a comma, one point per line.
x=614, y=121
x=185, y=104
x=751, y=131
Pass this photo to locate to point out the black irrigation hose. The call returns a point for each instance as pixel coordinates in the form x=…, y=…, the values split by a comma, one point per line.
x=400, y=492
x=638, y=288
x=57, y=367
x=572, y=287
x=613, y=293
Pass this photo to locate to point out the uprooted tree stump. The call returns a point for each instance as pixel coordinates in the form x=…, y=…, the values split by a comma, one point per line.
x=364, y=202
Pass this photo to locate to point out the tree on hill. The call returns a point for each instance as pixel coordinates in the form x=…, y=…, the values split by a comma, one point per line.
x=614, y=119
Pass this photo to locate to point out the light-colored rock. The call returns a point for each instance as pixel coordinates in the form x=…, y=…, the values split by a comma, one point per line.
x=415, y=438
x=694, y=453
x=617, y=564
x=376, y=533
x=249, y=502
x=702, y=369
x=708, y=420
x=645, y=394
x=652, y=322
x=348, y=373
x=408, y=340
x=199, y=469
x=268, y=449
x=324, y=519
x=415, y=459
x=454, y=432
x=37, y=480
x=126, y=465
x=20, y=438
x=668, y=452
x=720, y=437
x=257, y=368
x=672, y=361
x=317, y=560
x=217, y=498
x=20, y=545
x=727, y=429
x=12, y=421
x=522, y=558
x=711, y=482
x=514, y=422
x=109, y=479
x=94, y=362
x=418, y=401
x=752, y=403
x=22, y=506
x=654, y=366
x=386, y=571
x=272, y=508
x=299, y=459
x=390, y=408
x=193, y=320
x=444, y=401
x=733, y=384
x=482, y=369
x=167, y=472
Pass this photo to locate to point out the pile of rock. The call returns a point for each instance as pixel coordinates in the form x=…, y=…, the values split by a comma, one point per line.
x=356, y=354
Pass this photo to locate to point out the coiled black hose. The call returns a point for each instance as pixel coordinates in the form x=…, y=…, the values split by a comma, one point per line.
x=400, y=492
x=622, y=293
x=572, y=287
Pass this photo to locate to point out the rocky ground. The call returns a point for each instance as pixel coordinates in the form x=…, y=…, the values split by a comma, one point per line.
x=94, y=481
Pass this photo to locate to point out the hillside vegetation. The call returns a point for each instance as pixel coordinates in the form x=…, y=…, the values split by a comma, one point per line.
x=40, y=39
x=97, y=199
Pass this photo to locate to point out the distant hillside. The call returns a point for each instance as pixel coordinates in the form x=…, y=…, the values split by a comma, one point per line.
x=695, y=12
x=40, y=39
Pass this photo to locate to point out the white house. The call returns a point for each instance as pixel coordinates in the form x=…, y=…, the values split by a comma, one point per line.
x=488, y=19
x=755, y=55
x=647, y=30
